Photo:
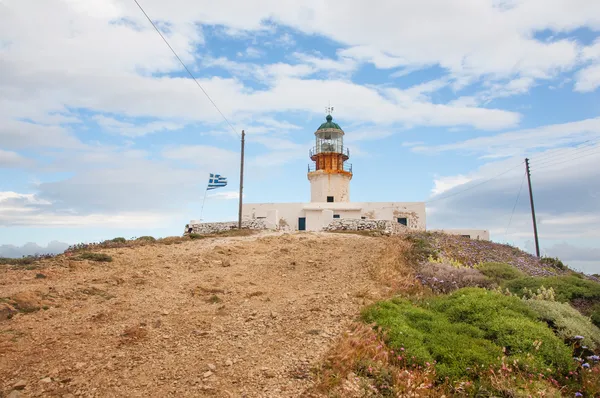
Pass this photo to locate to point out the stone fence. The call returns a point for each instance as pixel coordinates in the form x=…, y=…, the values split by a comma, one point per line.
x=386, y=227
x=215, y=227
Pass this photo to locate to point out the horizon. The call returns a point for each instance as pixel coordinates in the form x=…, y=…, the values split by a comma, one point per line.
x=104, y=134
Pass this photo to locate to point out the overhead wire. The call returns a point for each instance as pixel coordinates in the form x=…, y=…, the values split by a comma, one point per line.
x=550, y=156
x=569, y=155
x=186, y=68
x=597, y=151
x=474, y=186
x=515, y=206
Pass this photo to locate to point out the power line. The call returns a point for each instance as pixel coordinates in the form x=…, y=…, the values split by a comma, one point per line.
x=186, y=68
x=567, y=155
x=515, y=206
x=474, y=186
x=549, y=156
x=565, y=161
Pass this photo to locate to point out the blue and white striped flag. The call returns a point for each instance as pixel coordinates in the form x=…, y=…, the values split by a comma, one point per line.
x=216, y=181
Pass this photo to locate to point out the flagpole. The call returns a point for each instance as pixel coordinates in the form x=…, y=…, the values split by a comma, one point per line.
x=241, y=183
x=202, y=209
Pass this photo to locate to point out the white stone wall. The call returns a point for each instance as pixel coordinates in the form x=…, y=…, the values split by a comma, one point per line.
x=289, y=213
x=324, y=184
x=385, y=226
x=477, y=234
x=214, y=227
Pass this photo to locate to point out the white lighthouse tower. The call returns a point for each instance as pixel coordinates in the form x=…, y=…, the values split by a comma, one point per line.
x=329, y=174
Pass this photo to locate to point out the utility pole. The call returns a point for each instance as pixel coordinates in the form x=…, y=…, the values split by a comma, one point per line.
x=537, y=244
x=241, y=182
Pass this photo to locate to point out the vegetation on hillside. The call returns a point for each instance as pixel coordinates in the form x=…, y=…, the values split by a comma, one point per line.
x=489, y=320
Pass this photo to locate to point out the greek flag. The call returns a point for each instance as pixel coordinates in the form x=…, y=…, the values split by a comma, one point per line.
x=216, y=181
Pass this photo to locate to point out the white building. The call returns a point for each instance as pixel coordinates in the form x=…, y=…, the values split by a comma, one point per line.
x=329, y=177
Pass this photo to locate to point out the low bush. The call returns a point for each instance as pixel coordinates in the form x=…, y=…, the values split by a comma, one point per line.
x=17, y=261
x=99, y=257
x=595, y=315
x=119, y=240
x=468, y=331
x=421, y=248
x=566, y=321
x=146, y=238
x=566, y=288
x=553, y=262
x=500, y=272
x=443, y=277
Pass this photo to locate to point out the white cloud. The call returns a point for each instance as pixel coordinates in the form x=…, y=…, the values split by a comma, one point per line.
x=525, y=141
x=228, y=195
x=9, y=159
x=132, y=129
x=443, y=184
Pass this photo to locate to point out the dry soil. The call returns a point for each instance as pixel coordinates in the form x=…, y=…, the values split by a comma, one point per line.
x=219, y=317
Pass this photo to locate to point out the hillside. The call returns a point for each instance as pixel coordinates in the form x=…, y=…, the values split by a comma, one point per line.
x=263, y=315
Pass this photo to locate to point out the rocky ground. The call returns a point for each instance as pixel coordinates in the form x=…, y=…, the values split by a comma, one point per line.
x=219, y=317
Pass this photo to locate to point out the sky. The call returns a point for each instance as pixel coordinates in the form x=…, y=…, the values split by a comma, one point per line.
x=103, y=133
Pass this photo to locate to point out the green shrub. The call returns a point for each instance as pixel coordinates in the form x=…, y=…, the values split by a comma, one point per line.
x=119, y=240
x=595, y=315
x=553, y=262
x=100, y=257
x=468, y=330
x=147, y=238
x=17, y=261
x=500, y=272
x=196, y=236
x=566, y=321
x=566, y=288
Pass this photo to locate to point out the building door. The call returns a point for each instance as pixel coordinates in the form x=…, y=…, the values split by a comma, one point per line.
x=302, y=224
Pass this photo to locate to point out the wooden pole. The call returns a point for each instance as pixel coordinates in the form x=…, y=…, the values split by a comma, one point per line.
x=241, y=182
x=535, y=233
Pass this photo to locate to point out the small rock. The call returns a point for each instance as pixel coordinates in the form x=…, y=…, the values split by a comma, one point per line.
x=225, y=263
x=46, y=380
x=165, y=312
x=207, y=374
x=229, y=362
x=273, y=314
x=80, y=365
x=212, y=367
x=19, y=385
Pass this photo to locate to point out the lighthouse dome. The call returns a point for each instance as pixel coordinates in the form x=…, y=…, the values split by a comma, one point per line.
x=329, y=124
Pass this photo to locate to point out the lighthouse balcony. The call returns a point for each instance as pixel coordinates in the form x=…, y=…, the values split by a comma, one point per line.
x=329, y=148
x=345, y=167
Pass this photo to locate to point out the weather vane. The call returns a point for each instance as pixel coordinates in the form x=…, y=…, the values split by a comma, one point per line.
x=329, y=109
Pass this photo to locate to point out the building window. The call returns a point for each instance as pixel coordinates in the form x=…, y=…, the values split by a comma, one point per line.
x=363, y=218
x=330, y=198
x=466, y=236
x=403, y=220
x=336, y=216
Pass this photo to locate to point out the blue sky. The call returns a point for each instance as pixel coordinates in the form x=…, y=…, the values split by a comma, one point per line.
x=103, y=134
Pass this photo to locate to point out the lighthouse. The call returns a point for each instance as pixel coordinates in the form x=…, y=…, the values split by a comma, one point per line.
x=329, y=173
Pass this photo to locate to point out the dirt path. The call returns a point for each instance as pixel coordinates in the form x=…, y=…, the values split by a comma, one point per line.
x=230, y=317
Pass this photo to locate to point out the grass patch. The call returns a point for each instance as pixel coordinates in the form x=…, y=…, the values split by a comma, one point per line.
x=595, y=315
x=566, y=321
x=196, y=236
x=500, y=272
x=214, y=299
x=467, y=332
x=566, y=288
x=146, y=239
x=421, y=249
x=99, y=257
